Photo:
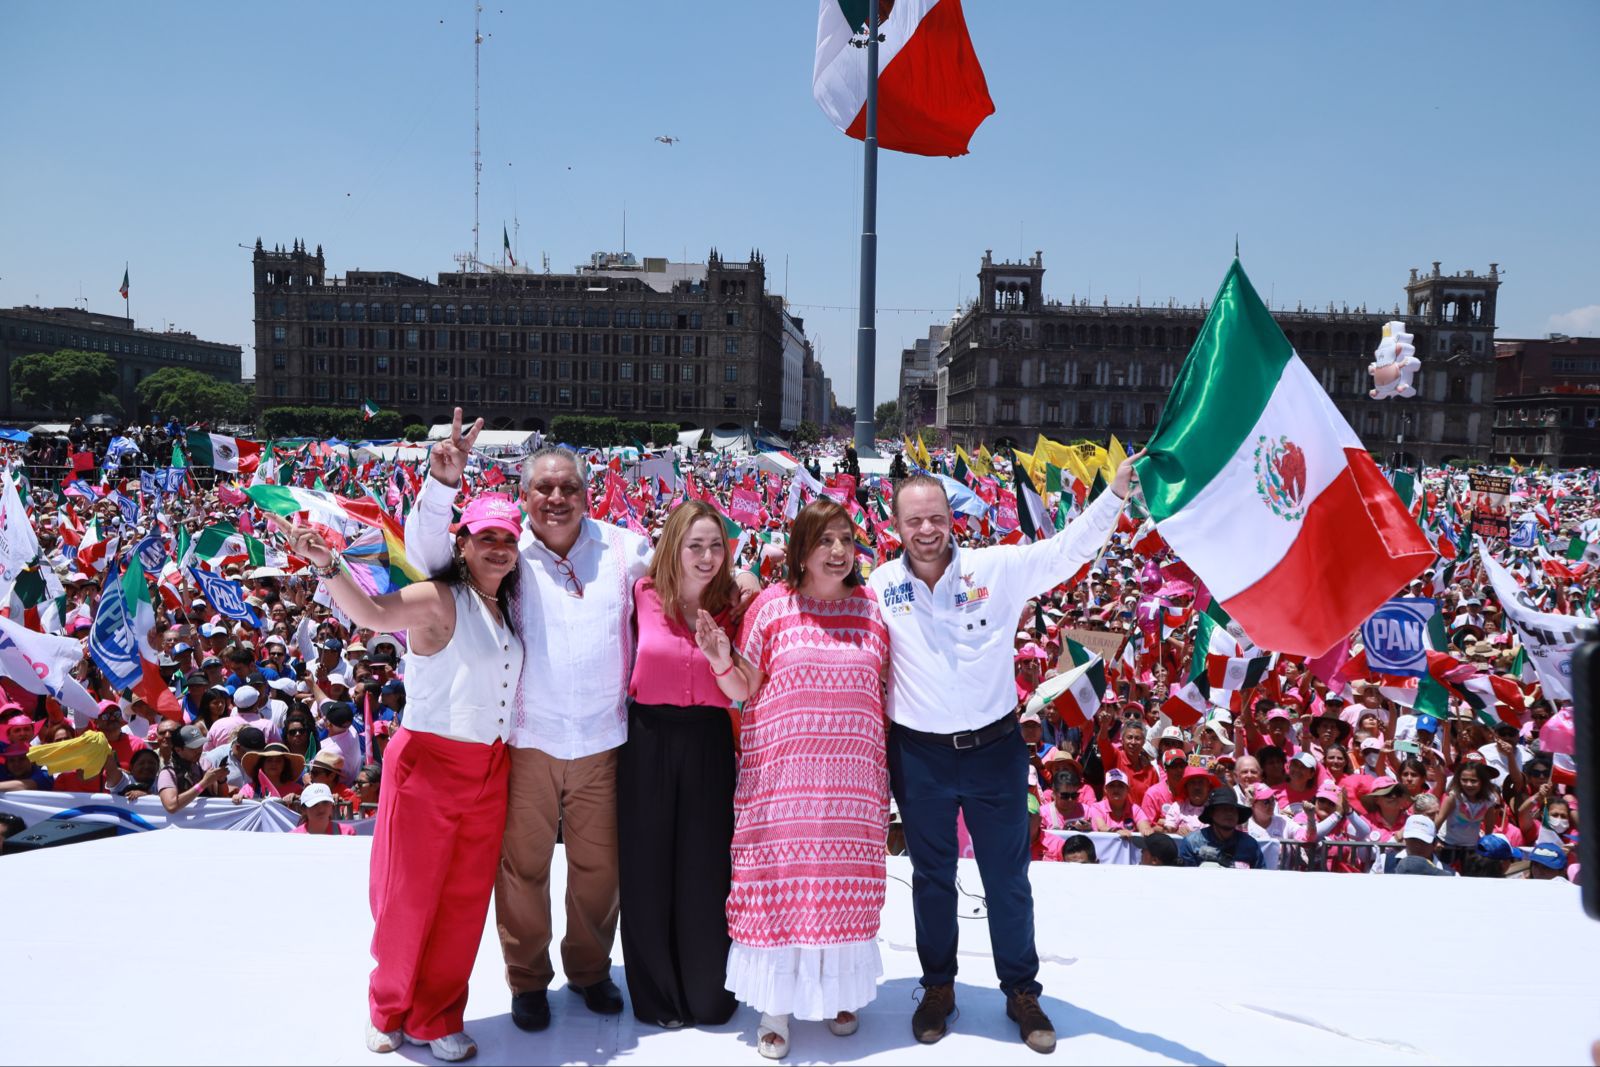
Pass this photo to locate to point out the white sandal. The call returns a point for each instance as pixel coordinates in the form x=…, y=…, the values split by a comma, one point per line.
x=844, y=1024
x=774, y=1026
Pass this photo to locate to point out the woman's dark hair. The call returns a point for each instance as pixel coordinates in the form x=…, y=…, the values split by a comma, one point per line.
x=216, y=692
x=1343, y=751
x=454, y=573
x=304, y=718
x=146, y=755
x=374, y=772
x=805, y=533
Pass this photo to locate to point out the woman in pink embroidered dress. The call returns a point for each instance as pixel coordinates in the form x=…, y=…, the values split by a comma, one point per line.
x=812, y=803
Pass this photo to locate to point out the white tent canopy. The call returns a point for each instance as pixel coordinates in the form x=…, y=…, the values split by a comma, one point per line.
x=690, y=439
x=493, y=441
x=405, y=453
x=771, y=463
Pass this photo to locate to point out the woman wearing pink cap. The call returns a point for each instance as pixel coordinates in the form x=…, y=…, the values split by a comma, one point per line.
x=442, y=807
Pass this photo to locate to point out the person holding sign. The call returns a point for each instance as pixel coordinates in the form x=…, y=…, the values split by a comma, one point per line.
x=442, y=813
x=954, y=747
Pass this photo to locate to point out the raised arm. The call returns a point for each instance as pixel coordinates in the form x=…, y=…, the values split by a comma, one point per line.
x=428, y=524
x=1050, y=562
x=425, y=606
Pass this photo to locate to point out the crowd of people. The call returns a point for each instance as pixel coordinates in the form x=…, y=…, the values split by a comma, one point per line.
x=732, y=692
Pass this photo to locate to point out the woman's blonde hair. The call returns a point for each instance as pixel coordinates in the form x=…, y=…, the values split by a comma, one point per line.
x=666, y=573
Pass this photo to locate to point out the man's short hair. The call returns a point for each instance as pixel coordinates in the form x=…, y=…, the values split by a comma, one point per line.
x=919, y=481
x=548, y=452
x=1079, y=843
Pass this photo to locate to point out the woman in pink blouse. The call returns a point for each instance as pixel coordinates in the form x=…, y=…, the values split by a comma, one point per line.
x=675, y=781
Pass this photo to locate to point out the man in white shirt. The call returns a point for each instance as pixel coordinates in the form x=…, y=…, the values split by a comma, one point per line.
x=573, y=610
x=954, y=747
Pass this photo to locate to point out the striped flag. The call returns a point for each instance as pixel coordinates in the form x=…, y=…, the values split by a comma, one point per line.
x=1260, y=486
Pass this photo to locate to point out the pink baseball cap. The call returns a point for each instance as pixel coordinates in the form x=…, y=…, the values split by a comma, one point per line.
x=1328, y=791
x=1263, y=792
x=492, y=511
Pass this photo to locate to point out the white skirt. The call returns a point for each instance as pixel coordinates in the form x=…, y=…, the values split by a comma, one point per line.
x=805, y=982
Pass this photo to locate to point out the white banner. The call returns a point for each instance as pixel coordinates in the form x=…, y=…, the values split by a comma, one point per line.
x=147, y=813
x=42, y=663
x=1549, y=638
x=18, y=545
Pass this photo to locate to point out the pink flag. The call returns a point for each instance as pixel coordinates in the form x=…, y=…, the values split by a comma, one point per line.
x=744, y=506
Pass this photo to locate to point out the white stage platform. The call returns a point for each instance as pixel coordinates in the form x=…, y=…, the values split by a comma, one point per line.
x=1139, y=966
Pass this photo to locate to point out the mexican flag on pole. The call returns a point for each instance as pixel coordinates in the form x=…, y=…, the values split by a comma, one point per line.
x=1258, y=484
x=931, y=92
x=223, y=541
x=369, y=411
x=1077, y=690
x=232, y=454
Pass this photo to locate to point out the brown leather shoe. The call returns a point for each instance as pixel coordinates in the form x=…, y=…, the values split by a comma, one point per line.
x=1038, y=1032
x=928, y=1021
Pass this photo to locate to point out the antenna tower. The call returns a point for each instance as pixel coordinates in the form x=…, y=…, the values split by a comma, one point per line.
x=477, y=154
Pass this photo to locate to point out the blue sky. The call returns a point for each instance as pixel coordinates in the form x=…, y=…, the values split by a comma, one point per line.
x=1343, y=143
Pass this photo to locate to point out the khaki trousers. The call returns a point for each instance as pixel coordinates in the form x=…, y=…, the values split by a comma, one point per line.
x=580, y=797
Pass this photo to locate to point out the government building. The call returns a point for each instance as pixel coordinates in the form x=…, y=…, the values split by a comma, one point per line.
x=700, y=344
x=1018, y=364
x=136, y=353
x=1547, y=402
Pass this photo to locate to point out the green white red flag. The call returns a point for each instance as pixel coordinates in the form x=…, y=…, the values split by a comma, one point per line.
x=932, y=94
x=232, y=454
x=1250, y=453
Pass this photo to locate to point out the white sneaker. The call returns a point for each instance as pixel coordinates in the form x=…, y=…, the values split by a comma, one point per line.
x=449, y=1048
x=382, y=1040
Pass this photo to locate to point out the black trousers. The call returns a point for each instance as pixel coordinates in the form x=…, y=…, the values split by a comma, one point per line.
x=675, y=781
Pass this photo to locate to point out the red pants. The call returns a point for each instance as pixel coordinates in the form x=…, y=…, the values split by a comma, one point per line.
x=435, y=850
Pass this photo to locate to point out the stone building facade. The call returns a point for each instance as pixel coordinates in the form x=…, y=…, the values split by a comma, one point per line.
x=1019, y=364
x=137, y=354
x=1547, y=401
x=703, y=345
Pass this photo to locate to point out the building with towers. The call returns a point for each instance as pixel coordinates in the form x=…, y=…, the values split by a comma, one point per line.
x=701, y=344
x=1020, y=363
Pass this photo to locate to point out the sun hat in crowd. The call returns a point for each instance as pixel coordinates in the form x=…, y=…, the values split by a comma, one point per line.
x=1368, y=744
x=492, y=511
x=1192, y=773
x=1278, y=713
x=1420, y=828
x=1306, y=760
x=1328, y=791
x=1030, y=716
x=190, y=736
x=1262, y=792
x=1223, y=797
x=1116, y=776
x=328, y=759
x=314, y=794
x=1382, y=786
x=252, y=760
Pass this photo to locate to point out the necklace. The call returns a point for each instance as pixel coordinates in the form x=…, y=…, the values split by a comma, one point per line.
x=480, y=592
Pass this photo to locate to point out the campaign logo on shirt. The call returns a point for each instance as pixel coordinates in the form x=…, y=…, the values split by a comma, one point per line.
x=972, y=596
x=897, y=599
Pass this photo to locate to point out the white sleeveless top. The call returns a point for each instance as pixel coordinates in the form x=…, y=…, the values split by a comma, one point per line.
x=466, y=690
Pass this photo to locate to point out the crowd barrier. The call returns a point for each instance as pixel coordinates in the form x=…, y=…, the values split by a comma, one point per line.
x=1277, y=853
x=147, y=813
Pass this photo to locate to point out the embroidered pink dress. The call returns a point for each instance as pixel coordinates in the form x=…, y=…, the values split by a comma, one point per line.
x=811, y=808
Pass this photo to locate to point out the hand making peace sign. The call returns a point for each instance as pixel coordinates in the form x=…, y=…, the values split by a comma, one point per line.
x=448, y=459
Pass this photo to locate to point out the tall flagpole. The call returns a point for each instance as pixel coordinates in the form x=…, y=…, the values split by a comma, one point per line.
x=127, y=310
x=866, y=330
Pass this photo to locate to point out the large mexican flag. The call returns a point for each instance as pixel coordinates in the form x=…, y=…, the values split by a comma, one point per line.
x=1260, y=486
x=931, y=90
x=233, y=454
